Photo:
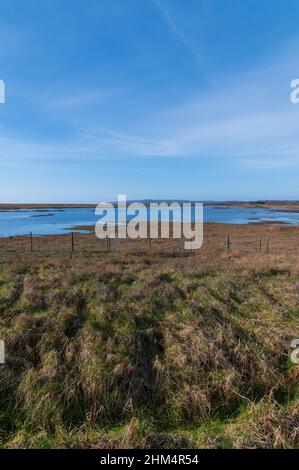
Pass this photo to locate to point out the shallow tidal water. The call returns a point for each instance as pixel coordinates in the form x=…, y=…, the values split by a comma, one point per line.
x=52, y=221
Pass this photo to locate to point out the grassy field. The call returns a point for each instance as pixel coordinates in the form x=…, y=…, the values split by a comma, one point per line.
x=151, y=348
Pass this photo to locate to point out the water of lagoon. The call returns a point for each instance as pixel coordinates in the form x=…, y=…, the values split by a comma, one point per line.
x=52, y=221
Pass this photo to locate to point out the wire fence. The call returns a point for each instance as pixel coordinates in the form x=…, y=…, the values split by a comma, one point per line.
x=215, y=243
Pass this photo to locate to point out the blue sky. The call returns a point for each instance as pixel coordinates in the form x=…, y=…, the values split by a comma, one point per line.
x=152, y=98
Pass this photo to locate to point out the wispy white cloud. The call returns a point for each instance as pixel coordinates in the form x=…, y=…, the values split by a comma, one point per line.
x=178, y=32
x=88, y=143
x=248, y=120
x=128, y=144
x=77, y=99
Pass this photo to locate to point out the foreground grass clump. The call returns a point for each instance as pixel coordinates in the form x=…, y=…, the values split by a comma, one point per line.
x=116, y=351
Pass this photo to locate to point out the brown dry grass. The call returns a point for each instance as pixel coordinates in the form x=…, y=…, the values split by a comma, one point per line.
x=144, y=347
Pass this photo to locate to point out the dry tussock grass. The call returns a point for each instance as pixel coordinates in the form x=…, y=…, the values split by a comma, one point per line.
x=120, y=350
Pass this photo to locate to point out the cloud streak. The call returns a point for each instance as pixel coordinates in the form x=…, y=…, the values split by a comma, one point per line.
x=249, y=121
x=181, y=36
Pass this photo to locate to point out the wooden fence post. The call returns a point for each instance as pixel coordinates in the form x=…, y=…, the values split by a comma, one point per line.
x=227, y=244
x=107, y=243
x=31, y=243
x=72, y=241
x=260, y=244
x=267, y=249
